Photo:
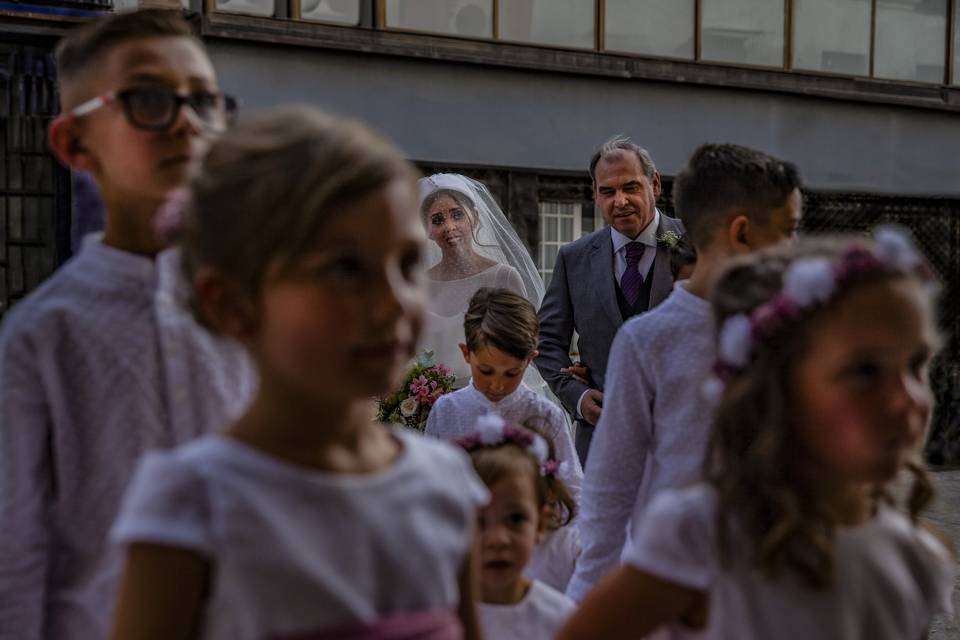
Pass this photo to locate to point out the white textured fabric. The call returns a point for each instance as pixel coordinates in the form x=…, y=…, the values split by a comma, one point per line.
x=537, y=617
x=448, y=305
x=298, y=551
x=97, y=366
x=891, y=577
x=654, y=426
x=455, y=414
x=553, y=559
x=647, y=237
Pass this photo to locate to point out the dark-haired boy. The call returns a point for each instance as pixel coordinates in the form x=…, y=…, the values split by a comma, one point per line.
x=100, y=364
x=655, y=422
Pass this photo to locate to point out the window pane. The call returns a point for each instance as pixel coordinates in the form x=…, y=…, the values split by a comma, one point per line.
x=742, y=31
x=339, y=11
x=832, y=35
x=250, y=7
x=472, y=18
x=564, y=23
x=650, y=27
x=956, y=42
x=911, y=40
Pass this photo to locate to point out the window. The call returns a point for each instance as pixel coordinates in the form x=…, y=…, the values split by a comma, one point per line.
x=564, y=23
x=248, y=7
x=560, y=223
x=956, y=41
x=651, y=27
x=832, y=36
x=473, y=18
x=742, y=32
x=911, y=40
x=338, y=11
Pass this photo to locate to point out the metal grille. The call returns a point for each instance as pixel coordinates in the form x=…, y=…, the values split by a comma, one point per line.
x=935, y=224
x=34, y=189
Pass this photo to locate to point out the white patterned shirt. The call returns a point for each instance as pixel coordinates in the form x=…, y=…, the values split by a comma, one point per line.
x=99, y=365
x=653, y=429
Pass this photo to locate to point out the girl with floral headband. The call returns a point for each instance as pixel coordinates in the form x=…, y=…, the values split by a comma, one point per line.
x=793, y=532
x=527, y=497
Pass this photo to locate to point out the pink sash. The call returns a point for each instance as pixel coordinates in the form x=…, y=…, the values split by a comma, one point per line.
x=421, y=625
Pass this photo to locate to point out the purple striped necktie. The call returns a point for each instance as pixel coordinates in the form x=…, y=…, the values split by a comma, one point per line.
x=631, y=281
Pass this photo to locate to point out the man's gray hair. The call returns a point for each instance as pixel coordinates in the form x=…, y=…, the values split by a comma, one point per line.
x=617, y=144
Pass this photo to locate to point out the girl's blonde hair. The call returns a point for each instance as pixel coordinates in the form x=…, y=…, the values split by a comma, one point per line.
x=503, y=319
x=269, y=185
x=496, y=462
x=754, y=458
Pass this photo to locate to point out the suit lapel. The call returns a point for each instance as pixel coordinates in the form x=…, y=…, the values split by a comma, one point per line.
x=601, y=266
x=662, y=283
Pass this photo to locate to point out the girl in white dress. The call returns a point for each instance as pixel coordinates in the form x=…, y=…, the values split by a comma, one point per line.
x=794, y=534
x=519, y=469
x=304, y=518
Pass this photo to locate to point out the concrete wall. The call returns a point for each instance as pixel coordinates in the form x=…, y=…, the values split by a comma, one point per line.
x=469, y=114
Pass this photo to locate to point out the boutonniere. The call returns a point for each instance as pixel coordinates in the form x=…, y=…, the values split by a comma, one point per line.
x=668, y=239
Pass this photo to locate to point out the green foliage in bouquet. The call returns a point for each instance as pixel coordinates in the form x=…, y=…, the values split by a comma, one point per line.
x=410, y=405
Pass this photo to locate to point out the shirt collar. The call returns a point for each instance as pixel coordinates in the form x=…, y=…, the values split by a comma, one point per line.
x=121, y=264
x=647, y=237
x=502, y=404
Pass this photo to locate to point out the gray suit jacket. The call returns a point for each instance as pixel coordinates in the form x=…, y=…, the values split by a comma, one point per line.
x=582, y=296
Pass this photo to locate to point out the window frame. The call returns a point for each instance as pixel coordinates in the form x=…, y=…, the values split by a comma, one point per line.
x=787, y=65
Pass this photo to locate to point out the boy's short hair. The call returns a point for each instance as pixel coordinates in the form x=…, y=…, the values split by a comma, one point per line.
x=85, y=46
x=724, y=179
x=502, y=319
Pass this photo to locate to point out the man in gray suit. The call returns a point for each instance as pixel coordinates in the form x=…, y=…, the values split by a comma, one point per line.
x=603, y=279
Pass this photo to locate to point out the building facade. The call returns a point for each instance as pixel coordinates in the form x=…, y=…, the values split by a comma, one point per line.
x=863, y=95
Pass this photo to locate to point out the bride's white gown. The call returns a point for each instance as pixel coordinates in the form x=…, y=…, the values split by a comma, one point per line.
x=449, y=300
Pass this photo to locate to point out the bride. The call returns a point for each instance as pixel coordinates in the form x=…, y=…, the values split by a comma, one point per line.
x=472, y=246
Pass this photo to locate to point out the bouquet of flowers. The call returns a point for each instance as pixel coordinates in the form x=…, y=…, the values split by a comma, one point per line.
x=423, y=384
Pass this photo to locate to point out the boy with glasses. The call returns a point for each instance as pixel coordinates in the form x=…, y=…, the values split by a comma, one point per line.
x=102, y=362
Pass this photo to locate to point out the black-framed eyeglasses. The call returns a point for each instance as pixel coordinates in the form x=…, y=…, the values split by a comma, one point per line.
x=157, y=108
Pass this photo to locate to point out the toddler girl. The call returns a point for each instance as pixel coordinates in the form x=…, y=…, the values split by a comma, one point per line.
x=823, y=348
x=525, y=496
x=305, y=518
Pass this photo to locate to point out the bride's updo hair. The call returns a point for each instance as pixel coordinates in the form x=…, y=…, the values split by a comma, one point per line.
x=503, y=319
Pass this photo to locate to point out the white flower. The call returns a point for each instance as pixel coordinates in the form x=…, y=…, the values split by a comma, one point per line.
x=895, y=248
x=490, y=428
x=540, y=449
x=808, y=281
x=735, y=340
x=712, y=389
x=408, y=407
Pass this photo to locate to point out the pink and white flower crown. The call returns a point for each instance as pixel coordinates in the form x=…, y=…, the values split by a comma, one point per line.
x=493, y=431
x=810, y=283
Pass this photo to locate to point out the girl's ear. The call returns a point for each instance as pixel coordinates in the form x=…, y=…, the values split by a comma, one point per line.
x=465, y=351
x=223, y=305
x=546, y=513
